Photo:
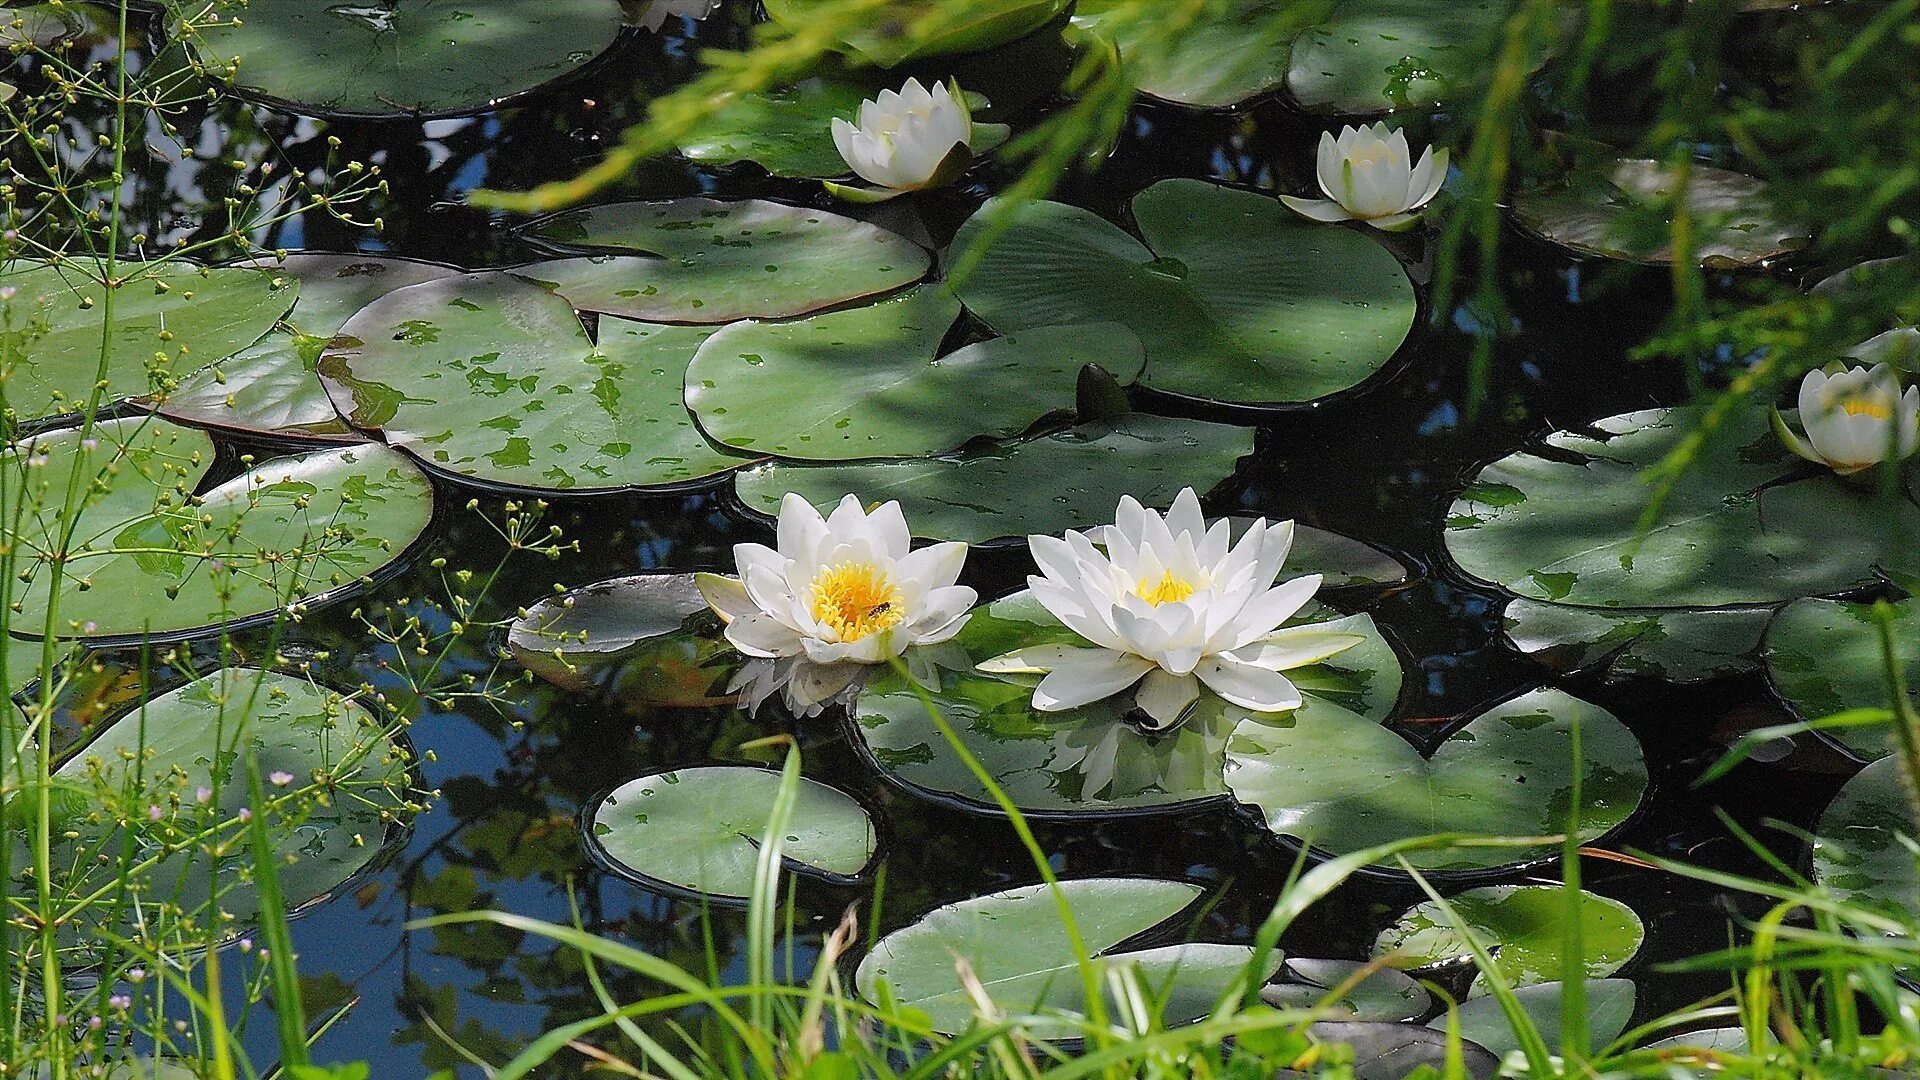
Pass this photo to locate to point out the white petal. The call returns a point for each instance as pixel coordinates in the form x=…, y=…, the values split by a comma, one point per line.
x=933, y=567
x=1317, y=209
x=1266, y=612
x=1185, y=517
x=1083, y=676
x=942, y=614
x=763, y=636
x=1247, y=686
x=1165, y=697
x=1295, y=647
x=725, y=595
x=1327, y=167
x=799, y=530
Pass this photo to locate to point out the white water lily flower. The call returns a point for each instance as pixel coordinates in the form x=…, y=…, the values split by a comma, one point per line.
x=1855, y=418
x=655, y=15
x=847, y=588
x=1169, y=605
x=1369, y=175
x=917, y=138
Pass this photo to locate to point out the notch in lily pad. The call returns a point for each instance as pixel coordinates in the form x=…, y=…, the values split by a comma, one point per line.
x=645, y=640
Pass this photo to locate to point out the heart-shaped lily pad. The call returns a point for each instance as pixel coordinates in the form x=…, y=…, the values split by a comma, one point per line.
x=1748, y=523
x=1522, y=926
x=335, y=779
x=650, y=639
x=1234, y=51
x=1825, y=657
x=1014, y=943
x=1863, y=845
x=494, y=379
x=1085, y=761
x=1682, y=645
x=1383, y=995
x=286, y=535
x=713, y=261
x=1624, y=212
x=1341, y=783
x=1235, y=298
x=700, y=829
x=271, y=386
x=1482, y=1020
x=1374, y=56
x=1068, y=480
x=168, y=319
x=392, y=57
x=867, y=383
x=908, y=33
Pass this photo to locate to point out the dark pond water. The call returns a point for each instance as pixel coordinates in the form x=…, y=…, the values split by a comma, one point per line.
x=1382, y=466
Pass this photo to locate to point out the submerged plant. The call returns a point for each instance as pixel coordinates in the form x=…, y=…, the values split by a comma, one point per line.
x=1369, y=175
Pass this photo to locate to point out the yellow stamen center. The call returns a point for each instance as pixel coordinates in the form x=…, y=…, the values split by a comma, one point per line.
x=1864, y=406
x=856, y=600
x=1167, y=590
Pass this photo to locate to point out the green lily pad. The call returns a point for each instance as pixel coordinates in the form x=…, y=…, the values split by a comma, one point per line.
x=1383, y=995
x=650, y=639
x=1522, y=926
x=896, y=39
x=1746, y=524
x=1081, y=762
x=1824, y=657
x=1725, y=1040
x=491, y=378
x=1375, y=56
x=1015, y=945
x=699, y=829
x=786, y=131
x=1609, y=1009
x=1341, y=783
x=168, y=319
x=1234, y=52
x=271, y=386
x=1061, y=481
x=36, y=27
x=1341, y=561
x=1622, y=213
x=1236, y=299
x=713, y=261
x=867, y=383
x=1682, y=646
x=1863, y=845
x=1396, y=1051
x=347, y=786
x=395, y=57
x=287, y=535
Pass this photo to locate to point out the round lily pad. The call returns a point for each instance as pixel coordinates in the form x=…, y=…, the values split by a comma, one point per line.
x=492, y=378
x=1396, y=1051
x=889, y=41
x=1684, y=646
x=700, y=829
x=1375, y=56
x=650, y=639
x=168, y=319
x=867, y=383
x=1523, y=926
x=1067, y=480
x=1482, y=1020
x=1013, y=942
x=714, y=261
x=345, y=785
x=1341, y=783
x=1746, y=524
x=1623, y=212
x=1383, y=995
x=1236, y=299
x=395, y=57
x=1235, y=51
x=271, y=386
x=1863, y=845
x=1825, y=657
x=1082, y=762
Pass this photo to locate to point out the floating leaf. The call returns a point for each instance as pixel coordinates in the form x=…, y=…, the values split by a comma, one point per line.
x=1523, y=926
x=788, y=131
x=1609, y=1009
x=1013, y=942
x=1396, y=1051
x=271, y=387
x=491, y=378
x=1235, y=298
x=713, y=261
x=1374, y=56
x=395, y=57
x=1383, y=995
x=1341, y=561
x=700, y=829
x=1863, y=845
x=1725, y=1040
x=1747, y=523
x=37, y=27
x=1234, y=52
x=1625, y=213
x=1043, y=485
x=1341, y=783
x=980, y=25
x=650, y=637
x=1677, y=645
x=1825, y=657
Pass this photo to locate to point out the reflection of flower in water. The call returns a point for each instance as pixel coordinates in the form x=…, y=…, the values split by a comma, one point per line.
x=808, y=688
x=1121, y=761
x=654, y=15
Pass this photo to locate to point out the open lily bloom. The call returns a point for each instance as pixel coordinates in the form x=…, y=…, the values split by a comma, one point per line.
x=1171, y=604
x=1368, y=174
x=1855, y=418
x=656, y=13
x=917, y=138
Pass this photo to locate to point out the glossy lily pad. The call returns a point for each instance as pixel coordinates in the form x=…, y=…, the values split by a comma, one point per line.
x=1383, y=995
x=271, y=386
x=868, y=383
x=713, y=261
x=1235, y=298
x=1825, y=657
x=897, y=38
x=700, y=829
x=168, y=319
x=1863, y=845
x=786, y=131
x=1397, y=1051
x=650, y=639
x=1341, y=783
x=1235, y=51
x=1624, y=212
x=1746, y=524
x=1015, y=945
x=491, y=378
x=1676, y=645
x=1521, y=925
x=1374, y=56
x=1609, y=1009
x=1082, y=762
x=346, y=786
x=288, y=534
x=394, y=57
x=1341, y=561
